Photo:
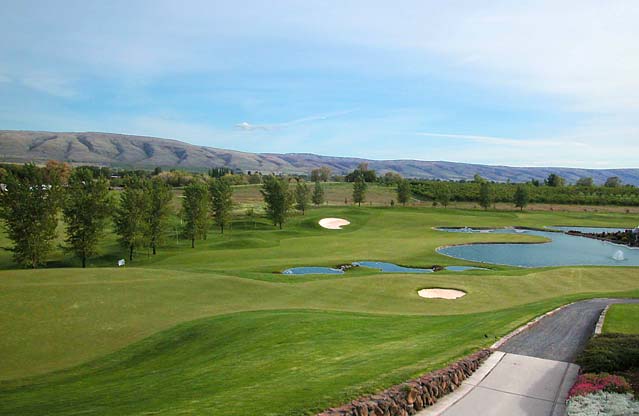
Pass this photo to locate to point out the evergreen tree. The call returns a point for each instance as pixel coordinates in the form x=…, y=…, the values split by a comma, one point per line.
x=195, y=209
x=318, y=194
x=359, y=189
x=521, y=197
x=131, y=216
x=160, y=197
x=221, y=202
x=28, y=207
x=403, y=191
x=86, y=209
x=485, y=198
x=302, y=196
x=278, y=199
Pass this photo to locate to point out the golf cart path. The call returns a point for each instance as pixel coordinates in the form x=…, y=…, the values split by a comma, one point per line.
x=563, y=335
x=532, y=372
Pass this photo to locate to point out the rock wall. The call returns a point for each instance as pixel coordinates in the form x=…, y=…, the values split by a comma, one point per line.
x=410, y=397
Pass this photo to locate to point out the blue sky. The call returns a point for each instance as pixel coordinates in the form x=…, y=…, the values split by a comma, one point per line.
x=534, y=84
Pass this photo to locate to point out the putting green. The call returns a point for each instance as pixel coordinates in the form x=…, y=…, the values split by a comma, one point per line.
x=213, y=330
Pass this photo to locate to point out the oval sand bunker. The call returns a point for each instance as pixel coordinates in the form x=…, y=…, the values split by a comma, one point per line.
x=441, y=293
x=333, y=223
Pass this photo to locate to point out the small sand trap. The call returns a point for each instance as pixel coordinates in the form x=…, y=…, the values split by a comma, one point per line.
x=333, y=223
x=441, y=293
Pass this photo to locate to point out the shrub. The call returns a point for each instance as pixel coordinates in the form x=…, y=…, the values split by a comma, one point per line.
x=592, y=383
x=610, y=353
x=602, y=404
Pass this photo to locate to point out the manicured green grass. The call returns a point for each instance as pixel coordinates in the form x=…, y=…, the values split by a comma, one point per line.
x=212, y=330
x=622, y=319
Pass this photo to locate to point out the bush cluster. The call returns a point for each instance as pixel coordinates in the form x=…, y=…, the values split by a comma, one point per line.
x=602, y=404
x=609, y=353
x=592, y=383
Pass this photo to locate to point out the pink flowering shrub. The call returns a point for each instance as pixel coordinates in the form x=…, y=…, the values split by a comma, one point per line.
x=591, y=383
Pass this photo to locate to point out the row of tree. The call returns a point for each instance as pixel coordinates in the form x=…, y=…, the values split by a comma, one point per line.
x=553, y=192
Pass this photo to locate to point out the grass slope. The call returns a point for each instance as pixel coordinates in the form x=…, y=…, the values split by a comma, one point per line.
x=212, y=330
x=622, y=319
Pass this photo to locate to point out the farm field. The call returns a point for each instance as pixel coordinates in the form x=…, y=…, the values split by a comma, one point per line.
x=380, y=195
x=218, y=330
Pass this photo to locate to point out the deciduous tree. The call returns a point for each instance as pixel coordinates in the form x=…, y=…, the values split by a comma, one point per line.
x=131, y=216
x=555, y=181
x=160, y=197
x=87, y=208
x=521, y=197
x=318, y=194
x=278, y=199
x=302, y=196
x=29, y=207
x=585, y=182
x=221, y=194
x=613, y=182
x=195, y=210
x=359, y=189
x=403, y=191
x=485, y=198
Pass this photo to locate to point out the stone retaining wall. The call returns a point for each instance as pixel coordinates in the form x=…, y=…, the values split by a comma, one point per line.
x=410, y=397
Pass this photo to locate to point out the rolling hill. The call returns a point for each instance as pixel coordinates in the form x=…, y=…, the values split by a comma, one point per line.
x=121, y=150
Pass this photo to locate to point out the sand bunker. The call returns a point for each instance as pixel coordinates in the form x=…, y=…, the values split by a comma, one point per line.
x=441, y=293
x=333, y=223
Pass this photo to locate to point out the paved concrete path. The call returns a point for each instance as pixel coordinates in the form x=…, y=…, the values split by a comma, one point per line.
x=531, y=374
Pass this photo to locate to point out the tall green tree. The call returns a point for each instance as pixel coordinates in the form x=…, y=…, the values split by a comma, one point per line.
x=443, y=196
x=131, y=216
x=159, y=209
x=521, y=197
x=29, y=206
x=485, y=197
x=318, y=194
x=302, y=196
x=359, y=189
x=195, y=210
x=555, y=181
x=585, y=182
x=613, y=182
x=278, y=199
x=403, y=191
x=221, y=194
x=86, y=209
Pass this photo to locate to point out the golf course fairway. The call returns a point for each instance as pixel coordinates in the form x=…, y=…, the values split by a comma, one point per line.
x=219, y=330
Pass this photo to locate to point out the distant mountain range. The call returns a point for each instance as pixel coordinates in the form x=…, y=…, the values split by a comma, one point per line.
x=121, y=150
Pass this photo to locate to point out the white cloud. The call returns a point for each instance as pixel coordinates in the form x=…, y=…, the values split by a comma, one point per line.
x=318, y=117
x=49, y=84
x=506, y=141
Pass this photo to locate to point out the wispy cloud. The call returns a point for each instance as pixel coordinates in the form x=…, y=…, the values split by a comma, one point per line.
x=49, y=84
x=504, y=141
x=250, y=126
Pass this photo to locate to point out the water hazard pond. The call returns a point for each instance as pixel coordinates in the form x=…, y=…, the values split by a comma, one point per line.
x=562, y=250
x=379, y=265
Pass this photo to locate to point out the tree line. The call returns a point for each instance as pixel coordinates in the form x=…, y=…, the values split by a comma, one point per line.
x=553, y=190
x=34, y=199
